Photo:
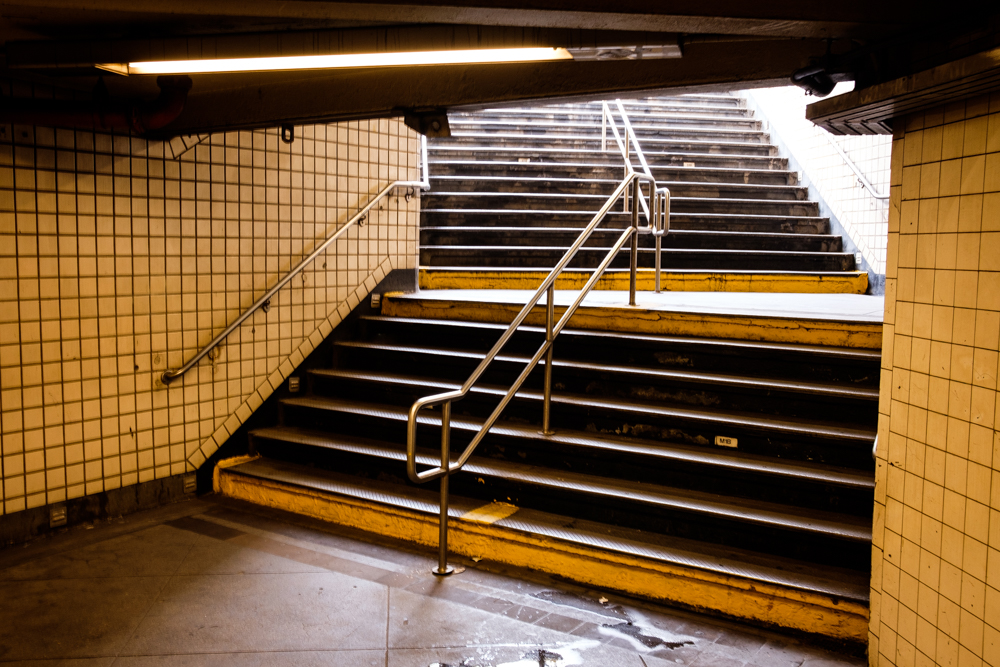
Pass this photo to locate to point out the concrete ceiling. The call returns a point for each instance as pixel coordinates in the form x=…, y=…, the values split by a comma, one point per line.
x=726, y=44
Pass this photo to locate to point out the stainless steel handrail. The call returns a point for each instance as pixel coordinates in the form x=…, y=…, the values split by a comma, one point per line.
x=662, y=194
x=630, y=190
x=862, y=179
x=169, y=376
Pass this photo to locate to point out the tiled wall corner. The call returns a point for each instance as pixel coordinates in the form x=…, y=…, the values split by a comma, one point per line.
x=936, y=557
x=120, y=258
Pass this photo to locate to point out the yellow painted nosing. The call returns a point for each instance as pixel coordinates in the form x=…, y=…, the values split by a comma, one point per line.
x=733, y=596
x=707, y=281
x=490, y=513
x=866, y=335
x=228, y=463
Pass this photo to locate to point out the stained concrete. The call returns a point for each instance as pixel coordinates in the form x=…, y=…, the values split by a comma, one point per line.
x=215, y=582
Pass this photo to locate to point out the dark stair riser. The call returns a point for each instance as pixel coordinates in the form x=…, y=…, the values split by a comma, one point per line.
x=706, y=260
x=650, y=145
x=616, y=220
x=848, y=367
x=593, y=203
x=696, y=426
x=603, y=238
x=653, y=158
x=576, y=185
x=540, y=169
x=590, y=120
x=543, y=130
x=758, y=397
x=620, y=511
x=738, y=479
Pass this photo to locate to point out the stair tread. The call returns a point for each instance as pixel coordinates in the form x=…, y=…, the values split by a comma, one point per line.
x=758, y=512
x=666, y=251
x=578, y=230
x=734, y=460
x=612, y=214
x=603, y=165
x=789, y=426
x=845, y=353
x=830, y=390
x=610, y=182
x=603, y=197
x=571, y=269
x=775, y=570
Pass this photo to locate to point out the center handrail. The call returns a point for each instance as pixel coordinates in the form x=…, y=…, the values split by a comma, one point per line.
x=546, y=286
x=656, y=212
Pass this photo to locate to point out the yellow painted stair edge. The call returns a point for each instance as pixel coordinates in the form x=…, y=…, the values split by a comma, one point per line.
x=865, y=335
x=731, y=596
x=846, y=283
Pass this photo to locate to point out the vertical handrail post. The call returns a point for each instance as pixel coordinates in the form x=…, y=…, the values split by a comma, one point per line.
x=550, y=320
x=657, y=269
x=604, y=127
x=442, y=568
x=635, y=244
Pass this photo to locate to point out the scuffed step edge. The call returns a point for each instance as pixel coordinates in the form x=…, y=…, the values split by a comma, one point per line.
x=729, y=595
x=853, y=282
x=865, y=335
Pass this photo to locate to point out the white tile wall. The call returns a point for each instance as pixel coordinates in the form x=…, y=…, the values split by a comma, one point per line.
x=865, y=218
x=120, y=258
x=936, y=539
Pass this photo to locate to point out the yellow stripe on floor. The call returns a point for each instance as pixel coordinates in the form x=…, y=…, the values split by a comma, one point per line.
x=490, y=513
x=855, y=282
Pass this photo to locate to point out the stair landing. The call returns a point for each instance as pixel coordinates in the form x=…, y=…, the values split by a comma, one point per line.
x=842, y=320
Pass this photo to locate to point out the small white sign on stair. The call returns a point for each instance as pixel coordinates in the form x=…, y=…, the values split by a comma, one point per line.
x=723, y=441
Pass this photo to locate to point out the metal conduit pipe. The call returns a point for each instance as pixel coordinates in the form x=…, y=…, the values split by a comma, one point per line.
x=101, y=112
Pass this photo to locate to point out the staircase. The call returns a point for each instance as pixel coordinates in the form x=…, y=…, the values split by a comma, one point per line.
x=711, y=471
x=513, y=188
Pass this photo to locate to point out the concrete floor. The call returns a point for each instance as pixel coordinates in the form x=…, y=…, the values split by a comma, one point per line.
x=213, y=582
x=827, y=307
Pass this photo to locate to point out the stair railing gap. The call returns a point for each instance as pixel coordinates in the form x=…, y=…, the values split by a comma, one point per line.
x=171, y=375
x=657, y=213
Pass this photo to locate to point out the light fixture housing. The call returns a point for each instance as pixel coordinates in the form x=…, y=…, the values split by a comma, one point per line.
x=339, y=61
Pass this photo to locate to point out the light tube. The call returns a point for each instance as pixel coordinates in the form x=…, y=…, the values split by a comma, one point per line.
x=349, y=60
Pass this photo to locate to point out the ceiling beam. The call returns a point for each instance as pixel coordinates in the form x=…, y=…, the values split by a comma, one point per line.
x=245, y=101
x=55, y=54
x=776, y=18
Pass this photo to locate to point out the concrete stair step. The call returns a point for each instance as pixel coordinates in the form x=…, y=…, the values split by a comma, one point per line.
x=502, y=256
x=532, y=184
x=754, y=525
x=593, y=202
x=726, y=222
x=486, y=152
x=671, y=280
x=538, y=168
x=604, y=237
x=832, y=604
x=593, y=142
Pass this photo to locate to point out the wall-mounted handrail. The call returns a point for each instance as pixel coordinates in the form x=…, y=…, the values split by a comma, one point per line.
x=656, y=212
x=170, y=375
x=865, y=183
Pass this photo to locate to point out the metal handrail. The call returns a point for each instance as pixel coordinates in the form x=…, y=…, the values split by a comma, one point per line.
x=169, y=376
x=862, y=179
x=662, y=194
x=657, y=209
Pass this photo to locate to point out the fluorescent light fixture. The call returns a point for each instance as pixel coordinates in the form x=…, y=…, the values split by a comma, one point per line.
x=350, y=60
